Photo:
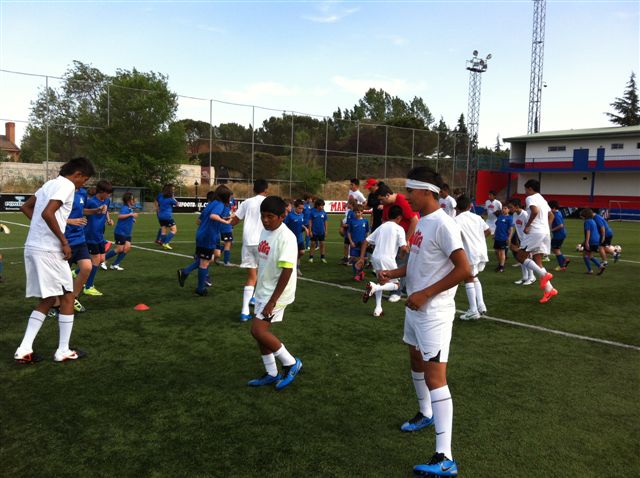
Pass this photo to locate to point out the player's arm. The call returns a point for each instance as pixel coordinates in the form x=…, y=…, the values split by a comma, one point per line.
x=49, y=216
x=532, y=216
x=461, y=271
x=386, y=276
x=92, y=211
x=283, y=280
x=551, y=217
x=412, y=226
x=587, y=236
x=216, y=217
x=156, y=206
x=78, y=221
x=363, y=253
x=28, y=207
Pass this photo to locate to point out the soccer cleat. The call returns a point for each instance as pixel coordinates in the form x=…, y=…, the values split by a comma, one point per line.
x=245, y=317
x=344, y=261
x=266, y=379
x=378, y=312
x=289, y=374
x=166, y=247
x=310, y=260
x=299, y=272
x=116, y=267
x=544, y=280
x=520, y=281
x=73, y=273
x=616, y=257
x=91, y=291
x=470, y=315
x=547, y=296
x=482, y=311
x=357, y=277
x=566, y=263
x=528, y=282
x=68, y=355
x=182, y=277
x=517, y=264
x=53, y=313
x=208, y=283
x=368, y=292
x=26, y=357
x=252, y=301
x=603, y=268
x=439, y=465
x=78, y=307
x=103, y=266
x=557, y=268
x=361, y=275
x=546, y=259
x=158, y=241
x=323, y=260
x=416, y=423
x=394, y=298
x=202, y=293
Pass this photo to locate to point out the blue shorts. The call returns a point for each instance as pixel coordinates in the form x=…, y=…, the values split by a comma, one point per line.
x=120, y=240
x=95, y=249
x=594, y=247
x=79, y=252
x=556, y=243
x=318, y=237
x=167, y=222
x=301, y=246
x=606, y=241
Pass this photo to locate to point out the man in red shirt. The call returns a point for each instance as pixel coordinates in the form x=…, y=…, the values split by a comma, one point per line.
x=409, y=221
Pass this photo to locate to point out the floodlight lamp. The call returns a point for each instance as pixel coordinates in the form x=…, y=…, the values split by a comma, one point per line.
x=489, y=56
x=475, y=52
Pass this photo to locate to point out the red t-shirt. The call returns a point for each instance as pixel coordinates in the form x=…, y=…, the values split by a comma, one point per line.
x=407, y=212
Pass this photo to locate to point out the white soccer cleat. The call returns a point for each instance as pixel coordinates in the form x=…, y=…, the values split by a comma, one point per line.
x=64, y=356
x=378, y=313
x=529, y=281
x=520, y=281
x=103, y=266
x=470, y=315
x=394, y=298
x=116, y=267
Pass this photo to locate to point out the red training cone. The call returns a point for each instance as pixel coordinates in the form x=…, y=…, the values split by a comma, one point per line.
x=141, y=307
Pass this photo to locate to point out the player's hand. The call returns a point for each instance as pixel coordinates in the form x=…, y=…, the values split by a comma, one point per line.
x=268, y=309
x=417, y=300
x=135, y=214
x=103, y=209
x=586, y=247
x=110, y=222
x=352, y=244
x=384, y=277
x=360, y=264
x=66, y=251
x=526, y=230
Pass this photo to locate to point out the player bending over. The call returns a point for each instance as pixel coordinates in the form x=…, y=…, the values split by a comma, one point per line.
x=122, y=232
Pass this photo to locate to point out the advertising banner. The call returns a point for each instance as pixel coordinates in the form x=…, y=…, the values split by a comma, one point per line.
x=12, y=202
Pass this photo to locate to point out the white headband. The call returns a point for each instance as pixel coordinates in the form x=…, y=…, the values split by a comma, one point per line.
x=414, y=184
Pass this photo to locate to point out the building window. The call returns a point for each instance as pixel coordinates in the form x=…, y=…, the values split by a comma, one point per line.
x=557, y=148
x=617, y=146
x=638, y=145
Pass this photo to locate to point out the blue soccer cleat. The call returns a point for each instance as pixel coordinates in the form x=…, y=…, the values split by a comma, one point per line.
x=439, y=465
x=266, y=379
x=416, y=423
x=252, y=301
x=245, y=317
x=289, y=374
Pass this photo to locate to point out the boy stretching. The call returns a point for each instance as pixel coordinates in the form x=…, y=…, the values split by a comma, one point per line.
x=558, y=235
x=592, y=241
x=94, y=232
x=275, y=289
x=437, y=263
x=46, y=253
x=318, y=228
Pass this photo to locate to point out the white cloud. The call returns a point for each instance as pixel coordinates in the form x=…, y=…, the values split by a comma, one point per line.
x=395, y=39
x=393, y=86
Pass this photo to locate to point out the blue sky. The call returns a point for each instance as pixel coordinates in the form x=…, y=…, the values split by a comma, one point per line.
x=314, y=57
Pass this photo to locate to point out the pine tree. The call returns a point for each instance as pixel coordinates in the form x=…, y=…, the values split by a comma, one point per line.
x=628, y=106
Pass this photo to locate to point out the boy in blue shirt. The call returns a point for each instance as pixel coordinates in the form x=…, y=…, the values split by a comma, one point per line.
x=318, y=227
x=94, y=232
x=308, y=206
x=344, y=228
x=503, y=225
x=606, y=236
x=295, y=222
x=591, y=241
x=122, y=232
x=357, y=231
x=207, y=237
x=226, y=231
x=558, y=235
x=164, y=205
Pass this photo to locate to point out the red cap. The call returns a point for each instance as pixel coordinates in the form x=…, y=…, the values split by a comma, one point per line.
x=370, y=183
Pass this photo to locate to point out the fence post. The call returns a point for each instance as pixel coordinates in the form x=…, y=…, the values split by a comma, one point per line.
x=291, y=161
x=438, y=152
x=413, y=145
x=253, y=139
x=326, y=146
x=357, y=148
x=386, y=147
x=210, y=138
x=46, y=165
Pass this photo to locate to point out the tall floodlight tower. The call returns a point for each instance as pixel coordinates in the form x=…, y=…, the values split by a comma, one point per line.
x=476, y=67
x=537, y=59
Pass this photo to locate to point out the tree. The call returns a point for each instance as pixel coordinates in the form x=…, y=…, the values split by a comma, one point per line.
x=627, y=107
x=196, y=134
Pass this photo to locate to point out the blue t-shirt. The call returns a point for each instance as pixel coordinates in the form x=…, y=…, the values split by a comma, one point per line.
x=75, y=234
x=306, y=213
x=503, y=224
x=125, y=226
x=600, y=222
x=165, y=207
x=358, y=228
x=318, y=218
x=208, y=233
x=557, y=220
x=590, y=225
x=226, y=213
x=295, y=222
x=94, y=231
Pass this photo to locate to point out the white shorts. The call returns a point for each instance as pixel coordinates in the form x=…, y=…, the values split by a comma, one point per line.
x=384, y=264
x=492, y=227
x=249, y=257
x=477, y=268
x=536, y=243
x=430, y=334
x=276, y=316
x=48, y=274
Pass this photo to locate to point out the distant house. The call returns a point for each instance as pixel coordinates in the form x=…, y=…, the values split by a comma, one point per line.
x=9, y=151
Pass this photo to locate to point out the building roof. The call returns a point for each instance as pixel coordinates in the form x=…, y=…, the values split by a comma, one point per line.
x=616, y=131
x=6, y=145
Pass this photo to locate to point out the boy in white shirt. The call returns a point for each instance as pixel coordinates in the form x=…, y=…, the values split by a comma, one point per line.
x=45, y=258
x=249, y=212
x=389, y=238
x=474, y=233
x=493, y=207
x=437, y=263
x=520, y=218
x=276, y=288
x=354, y=191
x=447, y=202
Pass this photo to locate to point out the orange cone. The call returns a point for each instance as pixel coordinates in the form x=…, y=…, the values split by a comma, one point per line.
x=141, y=307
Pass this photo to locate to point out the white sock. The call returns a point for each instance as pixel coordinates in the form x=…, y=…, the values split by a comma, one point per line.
x=422, y=392
x=246, y=297
x=525, y=272
x=530, y=275
x=530, y=264
x=36, y=319
x=470, y=287
x=479, y=296
x=548, y=287
x=443, y=419
x=270, y=364
x=389, y=286
x=378, y=295
x=65, y=323
x=284, y=356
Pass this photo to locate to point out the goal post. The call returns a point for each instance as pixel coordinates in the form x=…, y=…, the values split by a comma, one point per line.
x=624, y=210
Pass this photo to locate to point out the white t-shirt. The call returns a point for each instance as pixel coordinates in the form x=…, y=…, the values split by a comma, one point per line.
x=437, y=236
x=492, y=207
x=387, y=238
x=40, y=237
x=275, y=249
x=360, y=199
x=249, y=212
x=540, y=223
x=519, y=221
x=449, y=205
x=473, y=238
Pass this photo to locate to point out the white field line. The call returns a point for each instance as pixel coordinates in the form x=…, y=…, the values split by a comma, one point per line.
x=495, y=319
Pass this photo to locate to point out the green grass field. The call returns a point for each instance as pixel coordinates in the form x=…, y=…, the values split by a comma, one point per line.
x=163, y=392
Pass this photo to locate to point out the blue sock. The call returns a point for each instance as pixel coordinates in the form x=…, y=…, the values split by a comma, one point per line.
x=1, y=267
x=202, y=277
x=162, y=238
x=119, y=259
x=77, y=271
x=92, y=276
x=596, y=262
x=110, y=254
x=168, y=238
x=226, y=256
x=191, y=267
x=561, y=260
x=307, y=242
x=159, y=235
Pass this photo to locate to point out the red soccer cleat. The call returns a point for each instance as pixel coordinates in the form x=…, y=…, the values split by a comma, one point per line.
x=544, y=280
x=547, y=296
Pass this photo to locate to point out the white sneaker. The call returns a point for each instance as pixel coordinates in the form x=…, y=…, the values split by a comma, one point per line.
x=394, y=298
x=482, y=311
x=116, y=267
x=528, y=282
x=517, y=264
x=378, y=313
x=64, y=356
x=469, y=315
x=520, y=281
x=103, y=266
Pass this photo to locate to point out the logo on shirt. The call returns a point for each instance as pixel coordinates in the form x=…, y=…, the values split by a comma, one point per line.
x=416, y=239
x=264, y=248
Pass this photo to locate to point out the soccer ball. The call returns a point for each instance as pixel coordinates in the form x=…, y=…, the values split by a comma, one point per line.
x=580, y=247
x=618, y=249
